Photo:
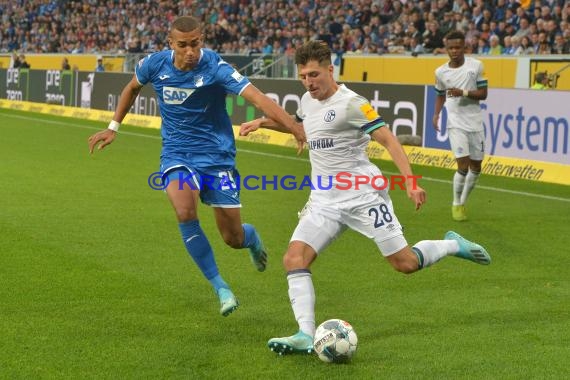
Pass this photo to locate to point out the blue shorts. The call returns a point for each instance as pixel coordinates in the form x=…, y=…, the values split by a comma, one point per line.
x=218, y=188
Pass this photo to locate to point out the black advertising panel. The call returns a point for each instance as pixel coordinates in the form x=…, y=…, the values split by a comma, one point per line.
x=52, y=87
x=17, y=84
x=107, y=87
x=286, y=93
x=402, y=107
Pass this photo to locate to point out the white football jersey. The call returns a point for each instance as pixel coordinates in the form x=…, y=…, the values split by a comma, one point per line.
x=462, y=112
x=337, y=131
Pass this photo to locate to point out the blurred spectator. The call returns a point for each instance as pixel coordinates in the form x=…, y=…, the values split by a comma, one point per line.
x=433, y=39
x=15, y=61
x=544, y=49
x=540, y=81
x=23, y=63
x=500, y=10
x=65, y=64
x=471, y=33
x=495, y=47
x=416, y=48
x=560, y=45
x=515, y=44
x=485, y=31
x=99, y=67
x=482, y=47
x=524, y=29
x=525, y=48
x=534, y=43
x=508, y=46
x=447, y=24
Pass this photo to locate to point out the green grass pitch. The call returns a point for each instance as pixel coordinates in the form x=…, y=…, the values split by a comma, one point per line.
x=95, y=281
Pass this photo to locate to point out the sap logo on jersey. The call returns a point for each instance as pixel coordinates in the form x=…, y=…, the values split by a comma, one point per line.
x=173, y=95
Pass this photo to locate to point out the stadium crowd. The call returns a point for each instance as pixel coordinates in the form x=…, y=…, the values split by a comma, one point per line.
x=494, y=27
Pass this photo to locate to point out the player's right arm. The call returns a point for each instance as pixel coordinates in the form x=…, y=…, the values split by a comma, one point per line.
x=128, y=96
x=441, y=93
x=439, y=102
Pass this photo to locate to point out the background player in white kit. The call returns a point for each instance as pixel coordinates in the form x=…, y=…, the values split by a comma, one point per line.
x=460, y=85
x=346, y=121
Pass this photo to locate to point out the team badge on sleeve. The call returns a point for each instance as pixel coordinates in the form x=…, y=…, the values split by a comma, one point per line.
x=237, y=76
x=369, y=112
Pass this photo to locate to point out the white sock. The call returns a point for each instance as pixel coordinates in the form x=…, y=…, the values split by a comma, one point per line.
x=302, y=296
x=458, y=186
x=470, y=182
x=431, y=251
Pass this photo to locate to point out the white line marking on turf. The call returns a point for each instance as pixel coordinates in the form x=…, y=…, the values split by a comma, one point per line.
x=294, y=158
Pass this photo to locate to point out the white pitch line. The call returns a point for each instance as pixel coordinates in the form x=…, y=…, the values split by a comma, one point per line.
x=294, y=158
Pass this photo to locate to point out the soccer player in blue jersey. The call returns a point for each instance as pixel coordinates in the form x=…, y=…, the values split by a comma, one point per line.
x=198, y=143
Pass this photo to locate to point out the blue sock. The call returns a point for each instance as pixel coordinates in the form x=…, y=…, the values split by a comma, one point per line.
x=199, y=248
x=218, y=282
x=250, y=236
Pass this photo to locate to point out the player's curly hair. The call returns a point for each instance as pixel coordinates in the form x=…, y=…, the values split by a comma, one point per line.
x=313, y=51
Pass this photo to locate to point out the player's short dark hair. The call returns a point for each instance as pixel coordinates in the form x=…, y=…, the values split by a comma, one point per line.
x=186, y=24
x=313, y=51
x=455, y=35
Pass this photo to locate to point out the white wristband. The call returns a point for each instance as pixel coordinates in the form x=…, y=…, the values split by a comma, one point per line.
x=465, y=93
x=114, y=126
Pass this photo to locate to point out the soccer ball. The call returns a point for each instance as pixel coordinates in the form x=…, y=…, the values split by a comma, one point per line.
x=335, y=341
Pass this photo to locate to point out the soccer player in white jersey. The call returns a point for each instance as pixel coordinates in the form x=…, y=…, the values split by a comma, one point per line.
x=339, y=124
x=460, y=85
x=198, y=145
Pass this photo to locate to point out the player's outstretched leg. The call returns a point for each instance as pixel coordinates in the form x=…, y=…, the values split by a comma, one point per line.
x=299, y=343
x=469, y=250
x=228, y=301
x=257, y=250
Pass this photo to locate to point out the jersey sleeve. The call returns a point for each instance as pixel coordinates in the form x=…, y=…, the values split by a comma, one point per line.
x=299, y=114
x=481, y=80
x=230, y=78
x=361, y=115
x=439, y=85
x=142, y=70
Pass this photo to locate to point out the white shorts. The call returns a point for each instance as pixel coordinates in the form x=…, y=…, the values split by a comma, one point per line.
x=369, y=214
x=464, y=143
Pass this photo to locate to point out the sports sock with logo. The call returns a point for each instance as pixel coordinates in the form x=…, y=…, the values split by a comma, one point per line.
x=250, y=236
x=302, y=296
x=431, y=251
x=199, y=248
x=470, y=182
x=458, y=186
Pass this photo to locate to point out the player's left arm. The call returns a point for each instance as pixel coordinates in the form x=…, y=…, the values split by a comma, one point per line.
x=262, y=122
x=481, y=92
x=386, y=138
